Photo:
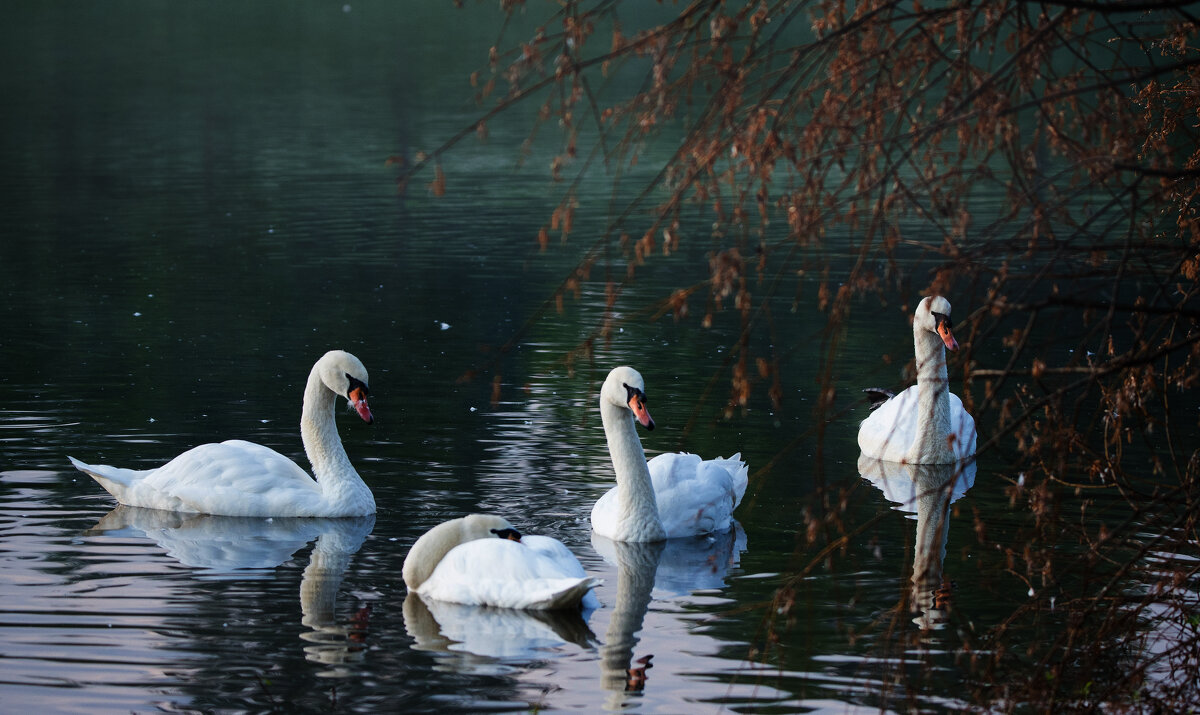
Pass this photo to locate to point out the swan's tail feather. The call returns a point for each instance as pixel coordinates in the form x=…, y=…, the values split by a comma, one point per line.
x=877, y=396
x=569, y=597
x=741, y=475
x=116, y=481
x=743, y=479
x=81, y=466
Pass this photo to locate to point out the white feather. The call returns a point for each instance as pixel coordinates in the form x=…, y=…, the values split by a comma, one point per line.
x=463, y=561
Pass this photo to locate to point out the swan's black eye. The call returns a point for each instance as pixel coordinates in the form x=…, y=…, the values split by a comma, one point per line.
x=632, y=392
x=356, y=383
x=510, y=534
x=942, y=321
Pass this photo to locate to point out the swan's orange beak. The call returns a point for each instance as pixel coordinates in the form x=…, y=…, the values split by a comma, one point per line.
x=943, y=330
x=637, y=403
x=358, y=400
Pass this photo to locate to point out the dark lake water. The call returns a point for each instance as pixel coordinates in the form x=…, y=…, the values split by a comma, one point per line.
x=196, y=206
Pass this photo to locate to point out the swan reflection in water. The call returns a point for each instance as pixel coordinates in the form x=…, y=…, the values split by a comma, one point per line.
x=478, y=634
x=926, y=490
x=477, y=587
x=249, y=547
x=476, y=637
x=673, y=567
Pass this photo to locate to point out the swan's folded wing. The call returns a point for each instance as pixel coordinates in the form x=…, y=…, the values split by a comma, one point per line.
x=508, y=574
x=962, y=426
x=234, y=478
x=604, y=511
x=739, y=474
x=889, y=430
x=697, y=496
x=671, y=470
x=555, y=558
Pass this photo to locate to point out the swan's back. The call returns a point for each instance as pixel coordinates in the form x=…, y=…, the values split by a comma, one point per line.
x=535, y=573
x=697, y=496
x=890, y=429
x=889, y=432
x=232, y=478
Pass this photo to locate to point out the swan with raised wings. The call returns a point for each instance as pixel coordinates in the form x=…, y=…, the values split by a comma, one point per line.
x=672, y=495
x=238, y=478
x=925, y=424
x=481, y=560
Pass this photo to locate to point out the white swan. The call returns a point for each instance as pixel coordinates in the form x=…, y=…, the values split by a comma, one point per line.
x=237, y=478
x=925, y=424
x=675, y=494
x=481, y=560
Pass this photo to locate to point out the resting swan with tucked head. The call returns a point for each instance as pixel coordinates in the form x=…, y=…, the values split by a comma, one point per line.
x=237, y=478
x=925, y=424
x=481, y=560
x=675, y=494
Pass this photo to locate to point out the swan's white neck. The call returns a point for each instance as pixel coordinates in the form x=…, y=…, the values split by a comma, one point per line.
x=637, y=509
x=932, y=445
x=339, y=482
x=427, y=552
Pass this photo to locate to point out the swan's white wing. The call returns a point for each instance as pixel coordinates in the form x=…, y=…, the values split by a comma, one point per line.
x=740, y=473
x=237, y=478
x=552, y=556
x=604, y=512
x=890, y=429
x=962, y=427
x=557, y=553
x=233, y=478
x=508, y=574
x=697, y=496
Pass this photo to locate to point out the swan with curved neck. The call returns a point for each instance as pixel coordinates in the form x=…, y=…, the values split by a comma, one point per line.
x=481, y=560
x=674, y=494
x=238, y=478
x=925, y=424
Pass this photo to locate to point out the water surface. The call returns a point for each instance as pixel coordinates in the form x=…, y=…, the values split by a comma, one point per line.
x=197, y=206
